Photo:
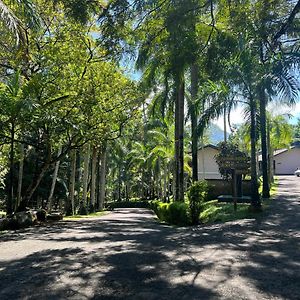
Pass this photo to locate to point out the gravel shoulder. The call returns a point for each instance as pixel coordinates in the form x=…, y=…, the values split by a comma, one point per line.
x=127, y=254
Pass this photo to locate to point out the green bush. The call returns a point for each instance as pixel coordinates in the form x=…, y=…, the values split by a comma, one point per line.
x=178, y=213
x=210, y=212
x=197, y=196
x=175, y=213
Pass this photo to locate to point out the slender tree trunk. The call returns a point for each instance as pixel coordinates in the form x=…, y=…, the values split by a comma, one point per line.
x=93, y=179
x=194, y=119
x=102, y=178
x=20, y=177
x=164, y=194
x=50, y=198
x=71, y=207
x=98, y=181
x=169, y=183
x=270, y=155
x=78, y=178
x=255, y=199
x=119, y=184
x=225, y=124
x=33, y=186
x=264, y=150
x=10, y=198
x=86, y=173
x=179, y=147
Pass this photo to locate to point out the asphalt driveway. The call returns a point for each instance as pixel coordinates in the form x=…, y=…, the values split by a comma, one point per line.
x=127, y=254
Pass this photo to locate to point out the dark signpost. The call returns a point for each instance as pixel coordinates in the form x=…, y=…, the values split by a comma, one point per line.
x=233, y=163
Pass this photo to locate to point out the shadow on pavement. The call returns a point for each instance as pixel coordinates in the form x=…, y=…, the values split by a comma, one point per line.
x=120, y=257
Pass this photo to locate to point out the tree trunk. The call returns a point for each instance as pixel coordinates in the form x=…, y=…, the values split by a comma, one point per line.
x=225, y=124
x=53, y=182
x=20, y=177
x=119, y=184
x=164, y=191
x=10, y=198
x=270, y=155
x=93, y=179
x=255, y=200
x=194, y=119
x=86, y=174
x=179, y=147
x=33, y=186
x=264, y=150
x=78, y=178
x=102, y=178
x=70, y=209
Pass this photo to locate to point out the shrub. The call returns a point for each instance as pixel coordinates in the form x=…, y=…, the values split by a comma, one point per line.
x=175, y=213
x=178, y=213
x=210, y=212
x=197, y=195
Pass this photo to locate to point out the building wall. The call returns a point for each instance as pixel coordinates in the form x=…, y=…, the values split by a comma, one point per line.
x=211, y=169
x=286, y=163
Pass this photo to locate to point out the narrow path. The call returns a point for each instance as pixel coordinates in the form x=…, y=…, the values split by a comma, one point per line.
x=127, y=254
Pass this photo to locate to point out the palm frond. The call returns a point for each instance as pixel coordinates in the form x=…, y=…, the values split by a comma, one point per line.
x=215, y=110
x=11, y=21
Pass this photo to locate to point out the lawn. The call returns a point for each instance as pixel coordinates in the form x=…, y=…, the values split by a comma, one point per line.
x=226, y=210
x=79, y=217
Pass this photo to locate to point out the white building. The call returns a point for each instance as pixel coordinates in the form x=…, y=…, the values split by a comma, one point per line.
x=286, y=161
x=207, y=165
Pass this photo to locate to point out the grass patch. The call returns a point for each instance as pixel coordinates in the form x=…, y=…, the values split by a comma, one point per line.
x=274, y=187
x=226, y=212
x=79, y=217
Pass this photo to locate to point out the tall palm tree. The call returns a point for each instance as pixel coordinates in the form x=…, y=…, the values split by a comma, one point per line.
x=169, y=49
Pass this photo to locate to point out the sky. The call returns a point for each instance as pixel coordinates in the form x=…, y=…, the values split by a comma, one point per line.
x=237, y=116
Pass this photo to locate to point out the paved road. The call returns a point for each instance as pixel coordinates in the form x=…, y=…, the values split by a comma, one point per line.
x=129, y=255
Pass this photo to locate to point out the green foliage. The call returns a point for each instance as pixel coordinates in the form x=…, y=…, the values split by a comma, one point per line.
x=210, y=212
x=197, y=195
x=175, y=213
x=226, y=212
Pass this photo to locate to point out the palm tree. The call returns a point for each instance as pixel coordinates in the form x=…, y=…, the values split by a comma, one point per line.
x=13, y=23
x=169, y=49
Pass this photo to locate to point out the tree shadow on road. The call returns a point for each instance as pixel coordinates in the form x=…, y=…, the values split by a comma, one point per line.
x=141, y=259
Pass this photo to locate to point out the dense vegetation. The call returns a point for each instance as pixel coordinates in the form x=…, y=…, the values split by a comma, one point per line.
x=76, y=129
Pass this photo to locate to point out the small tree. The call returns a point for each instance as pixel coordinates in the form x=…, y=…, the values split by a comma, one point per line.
x=197, y=195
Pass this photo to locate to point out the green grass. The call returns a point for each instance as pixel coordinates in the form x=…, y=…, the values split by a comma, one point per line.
x=274, y=187
x=226, y=212
x=79, y=217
